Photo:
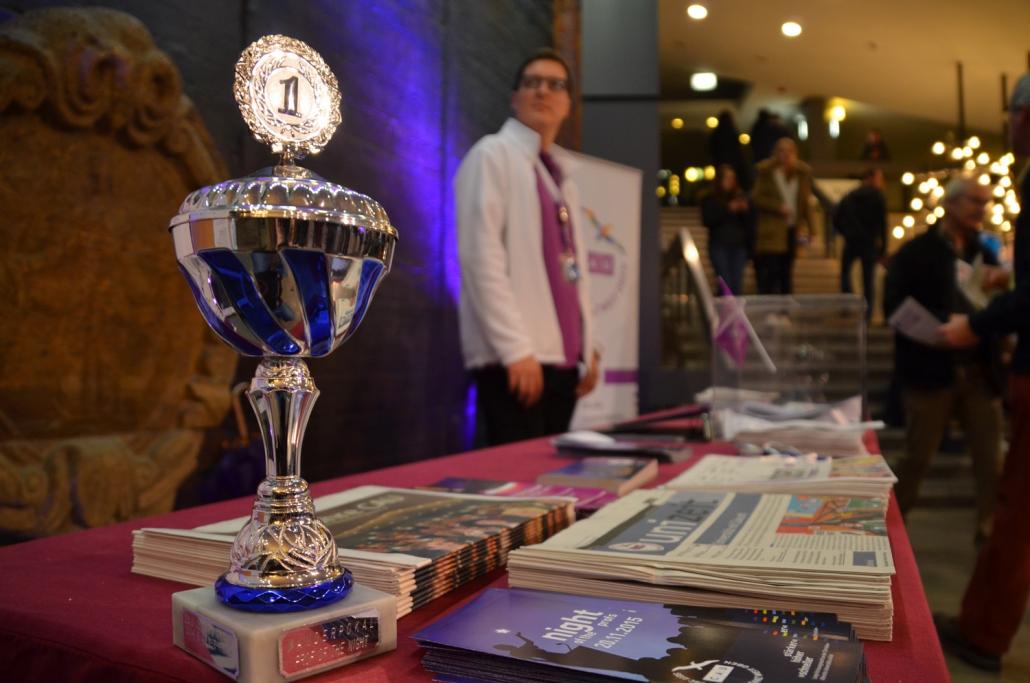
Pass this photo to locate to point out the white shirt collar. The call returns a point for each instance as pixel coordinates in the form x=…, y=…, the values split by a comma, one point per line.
x=529, y=140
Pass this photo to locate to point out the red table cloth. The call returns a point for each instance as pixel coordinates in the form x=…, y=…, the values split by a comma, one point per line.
x=70, y=610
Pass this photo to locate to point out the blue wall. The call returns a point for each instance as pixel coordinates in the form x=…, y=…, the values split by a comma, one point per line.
x=421, y=81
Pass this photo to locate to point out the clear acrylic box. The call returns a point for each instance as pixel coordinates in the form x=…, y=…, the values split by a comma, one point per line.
x=809, y=348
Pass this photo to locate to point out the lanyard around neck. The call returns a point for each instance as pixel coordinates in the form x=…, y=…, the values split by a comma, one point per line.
x=545, y=175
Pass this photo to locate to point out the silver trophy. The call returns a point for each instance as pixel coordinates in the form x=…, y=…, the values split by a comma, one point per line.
x=283, y=265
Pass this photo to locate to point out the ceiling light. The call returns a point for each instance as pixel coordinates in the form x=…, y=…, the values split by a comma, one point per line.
x=898, y=232
x=744, y=138
x=838, y=113
x=908, y=221
x=916, y=203
x=938, y=147
x=711, y=122
x=697, y=12
x=907, y=178
x=973, y=142
x=676, y=123
x=702, y=81
x=791, y=29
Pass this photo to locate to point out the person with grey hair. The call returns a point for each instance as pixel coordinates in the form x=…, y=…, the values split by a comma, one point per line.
x=997, y=595
x=783, y=186
x=937, y=383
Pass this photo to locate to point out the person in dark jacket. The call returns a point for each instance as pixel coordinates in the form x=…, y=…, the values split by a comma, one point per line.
x=939, y=383
x=861, y=219
x=996, y=598
x=725, y=148
x=727, y=214
x=766, y=131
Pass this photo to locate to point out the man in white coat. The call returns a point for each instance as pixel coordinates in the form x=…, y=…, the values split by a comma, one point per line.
x=524, y=313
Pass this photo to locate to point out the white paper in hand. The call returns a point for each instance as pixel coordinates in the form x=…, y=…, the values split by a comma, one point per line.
x=915, y=322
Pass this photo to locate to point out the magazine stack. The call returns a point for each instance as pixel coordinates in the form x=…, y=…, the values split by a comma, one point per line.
x=523, y=635
x=738, y=550
x=814, y=475
x=588, y=500
x=417, y=545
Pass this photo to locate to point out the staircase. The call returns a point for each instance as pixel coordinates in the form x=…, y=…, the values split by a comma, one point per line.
x=813, y=272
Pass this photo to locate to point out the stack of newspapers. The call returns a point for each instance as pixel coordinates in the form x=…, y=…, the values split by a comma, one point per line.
x=739, y=550
x=417, y=545
x=811, y=474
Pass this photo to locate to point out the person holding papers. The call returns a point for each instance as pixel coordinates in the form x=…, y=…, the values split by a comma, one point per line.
x=939, y=383
x=997, y=594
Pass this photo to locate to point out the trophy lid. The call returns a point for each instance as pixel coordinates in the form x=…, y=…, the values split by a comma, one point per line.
x=284, y=192
x=291, y=101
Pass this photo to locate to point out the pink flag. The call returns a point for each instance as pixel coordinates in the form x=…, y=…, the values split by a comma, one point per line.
x=731, y=334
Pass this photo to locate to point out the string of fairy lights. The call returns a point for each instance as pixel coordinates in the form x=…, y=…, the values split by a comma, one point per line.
x=927, y=188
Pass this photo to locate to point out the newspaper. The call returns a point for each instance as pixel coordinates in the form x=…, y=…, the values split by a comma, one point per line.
x=915, y=322
x=776, y=532
x=760, y=551
x=867, y=475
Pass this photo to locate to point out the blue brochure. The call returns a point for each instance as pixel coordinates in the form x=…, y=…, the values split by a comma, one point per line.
x=515, y=634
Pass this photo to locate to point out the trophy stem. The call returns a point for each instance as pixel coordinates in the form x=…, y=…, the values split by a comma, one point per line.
x=282, y=393
x=284, y=558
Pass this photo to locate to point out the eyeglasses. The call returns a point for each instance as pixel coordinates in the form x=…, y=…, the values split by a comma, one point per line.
x=553, y=84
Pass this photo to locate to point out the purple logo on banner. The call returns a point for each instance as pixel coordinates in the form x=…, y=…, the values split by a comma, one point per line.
x=602, y=264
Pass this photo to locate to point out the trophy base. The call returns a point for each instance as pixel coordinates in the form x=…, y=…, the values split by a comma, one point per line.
x=271, y=648
x=279, y=600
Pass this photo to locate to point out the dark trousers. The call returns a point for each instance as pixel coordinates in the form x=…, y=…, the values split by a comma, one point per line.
x=927, y=413
x=500, y=418
x=867, y=257
x=788, y=264
x=771, y=273
x=729, y=264
x=996, y=596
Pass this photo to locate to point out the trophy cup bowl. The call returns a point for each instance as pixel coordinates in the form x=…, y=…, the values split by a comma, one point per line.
x=283, y=265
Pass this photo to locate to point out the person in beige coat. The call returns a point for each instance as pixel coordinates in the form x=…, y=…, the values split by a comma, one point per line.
x=781, y=194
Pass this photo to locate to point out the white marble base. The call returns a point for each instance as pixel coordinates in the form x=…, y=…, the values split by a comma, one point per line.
x=267, y=648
